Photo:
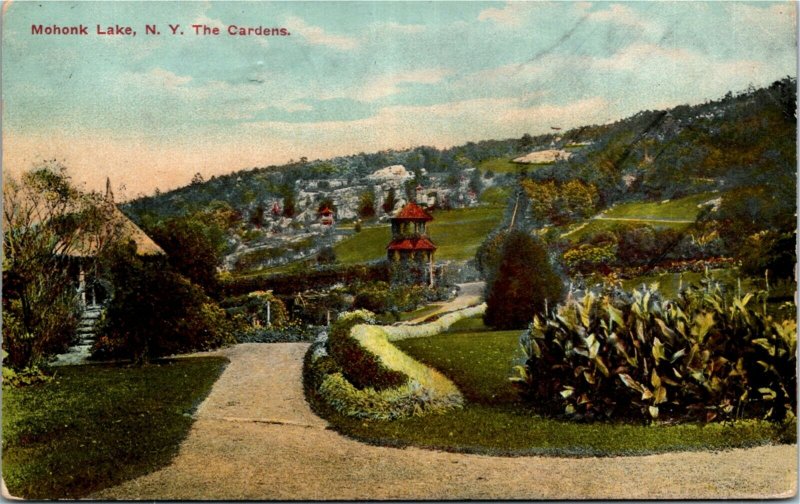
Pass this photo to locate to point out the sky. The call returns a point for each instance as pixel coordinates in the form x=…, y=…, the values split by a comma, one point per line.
x=150, y=111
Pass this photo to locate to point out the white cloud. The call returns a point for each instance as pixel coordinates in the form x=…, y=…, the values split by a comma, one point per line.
x=622, y=15
x=202, y=19
x=512, y=14
x=387, y=85
x=315, y=35
x=441, y=124
x=648, y=60
x=157, y=78
x=395, y=27
x=772, y=28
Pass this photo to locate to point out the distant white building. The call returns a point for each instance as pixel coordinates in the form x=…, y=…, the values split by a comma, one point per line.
x=544, y=156
x=394, y=173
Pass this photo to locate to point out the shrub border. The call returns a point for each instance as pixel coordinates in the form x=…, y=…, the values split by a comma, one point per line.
x=425, y=389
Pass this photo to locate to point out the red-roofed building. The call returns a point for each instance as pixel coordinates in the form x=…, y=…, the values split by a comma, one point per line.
x=326, y=215
x=411, y=250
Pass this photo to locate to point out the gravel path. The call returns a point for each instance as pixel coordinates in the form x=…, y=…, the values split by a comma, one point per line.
x=255, y=438
x=469, y=294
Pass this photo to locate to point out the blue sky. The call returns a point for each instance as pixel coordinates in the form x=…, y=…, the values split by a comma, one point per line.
x=150, y=111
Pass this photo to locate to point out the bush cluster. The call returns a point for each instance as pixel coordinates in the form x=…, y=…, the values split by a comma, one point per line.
x=156, y=312
x=290, y=334
x=380, y=297
x=633, y=245
x=323, y=277
x=702, y=356
x=423, y=390
x=256, y=309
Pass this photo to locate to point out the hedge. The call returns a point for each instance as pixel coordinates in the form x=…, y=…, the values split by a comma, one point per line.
x=323, y=277
x=366, y=376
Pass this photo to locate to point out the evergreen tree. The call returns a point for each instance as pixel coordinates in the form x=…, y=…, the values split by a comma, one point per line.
x=390, y=201
x=523, y=281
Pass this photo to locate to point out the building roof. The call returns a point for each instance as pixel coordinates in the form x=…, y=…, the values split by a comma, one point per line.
x=124, y=229
x=421, y=243
x=412, y=211
x=119, y=226
x=326, y=211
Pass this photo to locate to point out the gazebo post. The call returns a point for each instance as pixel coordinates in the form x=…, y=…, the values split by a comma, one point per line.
x=430, y=263
x=82, y=285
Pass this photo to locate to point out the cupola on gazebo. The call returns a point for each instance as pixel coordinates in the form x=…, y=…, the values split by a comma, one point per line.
x=411, y=250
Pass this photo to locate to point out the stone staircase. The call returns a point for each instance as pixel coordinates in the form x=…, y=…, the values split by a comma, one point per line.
x=79, y=352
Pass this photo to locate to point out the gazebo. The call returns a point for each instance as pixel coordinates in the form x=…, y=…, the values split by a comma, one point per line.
x=411, y=250
x=119, y=226
x=326, y=216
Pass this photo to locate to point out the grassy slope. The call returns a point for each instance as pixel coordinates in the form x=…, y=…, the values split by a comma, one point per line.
x=95, y=426
x=505, y=165
x=493, y=421
x=681, y=210
x=678, y=209
x=456, y=233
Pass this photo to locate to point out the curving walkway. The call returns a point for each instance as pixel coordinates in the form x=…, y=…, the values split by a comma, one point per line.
x=469, y=294
x=255, y=438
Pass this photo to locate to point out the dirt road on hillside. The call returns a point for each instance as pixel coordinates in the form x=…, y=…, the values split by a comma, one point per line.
x=256, y=438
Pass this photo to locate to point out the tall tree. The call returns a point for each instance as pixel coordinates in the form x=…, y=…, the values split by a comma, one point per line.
x=523, y=284
x=366, y=204
x=47, y=220
x=194, y=249
x=390, y=201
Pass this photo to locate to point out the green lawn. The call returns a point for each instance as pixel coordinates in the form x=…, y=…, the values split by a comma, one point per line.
x=478, y=362
x=579, y=232
x=95, y=426
x=459, y=233
x=494, y=421
x=499, y=165
x=368, y=245
x=668, y=283
x=505, y=165
x=678, y=209
x=456, y=233
x=495, y=196
x=654, y=213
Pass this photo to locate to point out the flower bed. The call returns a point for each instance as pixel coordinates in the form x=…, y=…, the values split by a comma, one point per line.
x=360, y=373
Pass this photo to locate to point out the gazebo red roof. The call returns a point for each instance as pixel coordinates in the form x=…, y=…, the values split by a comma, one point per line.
x=412, y=211
x=326, y=211
x=411, y=244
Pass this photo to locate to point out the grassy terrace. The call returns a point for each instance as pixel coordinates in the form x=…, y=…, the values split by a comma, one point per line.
x=494, y=421
x=505, y=165
x=677, y=214
x=95, y=426
x=678, y=209
x=457, y=234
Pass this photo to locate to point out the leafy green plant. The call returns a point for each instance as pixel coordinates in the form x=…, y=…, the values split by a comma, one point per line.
x=586, y=258
x=702, y=356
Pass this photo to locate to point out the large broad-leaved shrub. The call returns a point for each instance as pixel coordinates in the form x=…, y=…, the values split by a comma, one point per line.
x=703, y=356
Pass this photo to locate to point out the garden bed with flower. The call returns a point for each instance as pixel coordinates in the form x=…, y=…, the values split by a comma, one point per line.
x=574, y=414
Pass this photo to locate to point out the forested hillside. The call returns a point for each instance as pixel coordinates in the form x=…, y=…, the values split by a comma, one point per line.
x=737, y=153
